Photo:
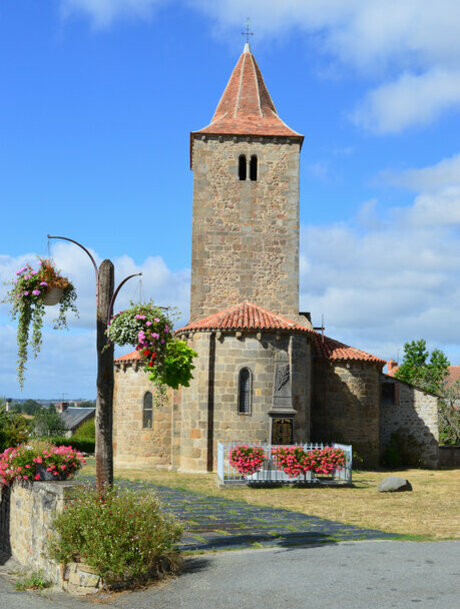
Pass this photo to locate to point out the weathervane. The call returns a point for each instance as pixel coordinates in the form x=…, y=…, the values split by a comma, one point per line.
x=247, y=31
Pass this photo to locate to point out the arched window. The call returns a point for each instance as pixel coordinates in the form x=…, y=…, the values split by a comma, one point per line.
x=244, y=391
x=242, y=167
x=147, y=411
x=253, y=168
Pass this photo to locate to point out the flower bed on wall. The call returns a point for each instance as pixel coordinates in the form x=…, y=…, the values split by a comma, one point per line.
x=39, y=461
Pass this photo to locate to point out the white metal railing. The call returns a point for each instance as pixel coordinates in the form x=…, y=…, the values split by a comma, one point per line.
x=269, y=472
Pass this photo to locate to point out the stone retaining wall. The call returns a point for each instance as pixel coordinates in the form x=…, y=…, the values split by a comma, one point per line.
x=27, y=511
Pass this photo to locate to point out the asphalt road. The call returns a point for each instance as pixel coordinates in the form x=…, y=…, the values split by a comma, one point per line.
x=348, y=575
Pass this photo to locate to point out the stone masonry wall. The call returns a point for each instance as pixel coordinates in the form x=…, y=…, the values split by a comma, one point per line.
x=194, y=410
x=132, y=444
x=230, y=355
x=345, y=406
x=27, y=512
x=414, y=417
x=245, y=238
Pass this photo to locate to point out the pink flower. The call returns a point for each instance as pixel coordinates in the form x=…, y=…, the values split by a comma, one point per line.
x=43, y=283
x=36, y=292
x=26, y=293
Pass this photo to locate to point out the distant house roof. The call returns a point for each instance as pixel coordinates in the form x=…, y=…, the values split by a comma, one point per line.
x=74, y=417
x=331, y=349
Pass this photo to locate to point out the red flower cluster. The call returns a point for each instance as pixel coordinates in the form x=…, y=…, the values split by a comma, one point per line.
x=295, y=461
x=247, y=459
x=148, y=356
x=27, y=463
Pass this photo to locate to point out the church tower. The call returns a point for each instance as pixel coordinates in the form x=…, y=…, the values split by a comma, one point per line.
x=245, y=239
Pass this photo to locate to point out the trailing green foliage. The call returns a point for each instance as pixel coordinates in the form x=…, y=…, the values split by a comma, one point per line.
x=176, y=368
x=124, y=536
x=417, y=370
x=26, y=297
x=168, y=361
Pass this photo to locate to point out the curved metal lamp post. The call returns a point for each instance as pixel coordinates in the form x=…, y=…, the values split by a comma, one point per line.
x=105, y=297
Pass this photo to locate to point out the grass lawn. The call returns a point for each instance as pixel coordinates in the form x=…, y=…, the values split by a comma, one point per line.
x=430, y=511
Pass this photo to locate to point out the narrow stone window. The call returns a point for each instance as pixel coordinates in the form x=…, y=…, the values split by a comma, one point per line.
x=242, y=167
x=244, y=391
x=147, y=411
x=253, y=168
x=390, y=394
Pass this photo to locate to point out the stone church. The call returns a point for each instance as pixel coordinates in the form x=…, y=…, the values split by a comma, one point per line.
x=263, y=374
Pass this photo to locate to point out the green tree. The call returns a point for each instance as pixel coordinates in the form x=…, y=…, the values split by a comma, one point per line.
x=429, y=374
x=48, y=423
x=14, y=429
x=449, y=415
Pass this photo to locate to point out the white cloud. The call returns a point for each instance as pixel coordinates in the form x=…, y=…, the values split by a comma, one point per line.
x=399, y=279
x=416, y=50
x=66, y=362
x=411, y=100
x=104, y=12
x=445, y=174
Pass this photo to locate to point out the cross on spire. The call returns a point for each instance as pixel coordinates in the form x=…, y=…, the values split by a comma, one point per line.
x=247, y=31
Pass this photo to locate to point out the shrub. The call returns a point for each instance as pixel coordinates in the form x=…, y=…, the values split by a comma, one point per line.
x=84, y=446
x=31, y=461
x=403, y=449
x=86, y=431
x=247, y=459
x=125, y=537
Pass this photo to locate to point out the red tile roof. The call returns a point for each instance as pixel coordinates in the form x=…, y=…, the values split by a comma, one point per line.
x=246, y=107
x=454, y=375
x=245, y=316
x=334, y=350
x=129, y=357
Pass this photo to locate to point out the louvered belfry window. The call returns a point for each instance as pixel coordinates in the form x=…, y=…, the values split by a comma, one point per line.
x=244, y=391
x=147, y=411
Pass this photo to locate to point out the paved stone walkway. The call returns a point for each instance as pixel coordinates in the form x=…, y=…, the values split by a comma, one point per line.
x=217, y=523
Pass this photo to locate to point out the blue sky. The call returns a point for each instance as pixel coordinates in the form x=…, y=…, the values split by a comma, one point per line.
x=97, y=99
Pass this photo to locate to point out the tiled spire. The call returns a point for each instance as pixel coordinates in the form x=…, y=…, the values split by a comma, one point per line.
x=246, y=107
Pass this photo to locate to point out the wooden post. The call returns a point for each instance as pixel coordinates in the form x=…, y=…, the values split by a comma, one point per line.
x=104, y=402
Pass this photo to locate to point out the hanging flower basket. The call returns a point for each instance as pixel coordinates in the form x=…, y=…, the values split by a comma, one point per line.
x=149, y=329
x=30, y=292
